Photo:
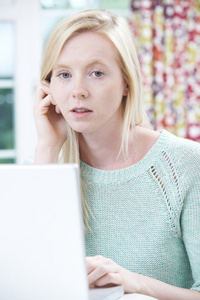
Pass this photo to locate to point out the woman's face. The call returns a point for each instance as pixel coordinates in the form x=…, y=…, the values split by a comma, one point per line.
x=87, y=84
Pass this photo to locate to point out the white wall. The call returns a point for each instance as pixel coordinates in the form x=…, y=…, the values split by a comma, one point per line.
x=28, y=47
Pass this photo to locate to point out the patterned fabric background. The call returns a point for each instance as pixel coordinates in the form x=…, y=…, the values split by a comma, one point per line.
x=167, y=37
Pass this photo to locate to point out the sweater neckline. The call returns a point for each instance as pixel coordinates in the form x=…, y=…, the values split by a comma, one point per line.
x=113, y=176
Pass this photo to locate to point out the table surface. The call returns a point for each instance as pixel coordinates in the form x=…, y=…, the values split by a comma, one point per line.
x=136, y=297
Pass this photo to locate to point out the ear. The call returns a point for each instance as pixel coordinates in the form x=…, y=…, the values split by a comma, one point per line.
x=125, y=89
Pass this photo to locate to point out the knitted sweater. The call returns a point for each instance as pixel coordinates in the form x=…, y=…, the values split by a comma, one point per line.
x=147, y=216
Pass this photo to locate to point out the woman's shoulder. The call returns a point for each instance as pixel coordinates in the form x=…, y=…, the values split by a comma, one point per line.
x=183, y=154
x=181, y=145
x=177, y=150
x=169, y=141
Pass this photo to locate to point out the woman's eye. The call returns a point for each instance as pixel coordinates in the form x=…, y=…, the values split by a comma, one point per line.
x=97, y=74
x=65, y=75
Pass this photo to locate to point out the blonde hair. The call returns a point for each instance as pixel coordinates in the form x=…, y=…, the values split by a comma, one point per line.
x=115, y=29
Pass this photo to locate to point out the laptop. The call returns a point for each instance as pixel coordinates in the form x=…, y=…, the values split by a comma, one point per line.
x=42, y=251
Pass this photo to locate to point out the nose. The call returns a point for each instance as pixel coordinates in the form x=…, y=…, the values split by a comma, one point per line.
x=79, y=91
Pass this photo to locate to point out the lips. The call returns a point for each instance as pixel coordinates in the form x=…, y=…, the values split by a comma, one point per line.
x=80, y=110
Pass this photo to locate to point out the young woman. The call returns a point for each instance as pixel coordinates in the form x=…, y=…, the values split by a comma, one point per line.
x=141, y=188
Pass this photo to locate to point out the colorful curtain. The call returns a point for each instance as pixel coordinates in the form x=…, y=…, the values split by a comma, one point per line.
x=167, y=37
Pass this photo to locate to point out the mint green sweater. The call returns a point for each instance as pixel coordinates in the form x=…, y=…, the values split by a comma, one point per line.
x=147, y=216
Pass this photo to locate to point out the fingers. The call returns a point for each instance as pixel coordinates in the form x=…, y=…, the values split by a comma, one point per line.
x=42, y=91
x=42, y=107
x=45, y=103
x=108, y=280
x=97, y=261
x=102, y=271
x=44, y=99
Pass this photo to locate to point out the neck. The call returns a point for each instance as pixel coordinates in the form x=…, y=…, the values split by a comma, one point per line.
x=103, y=152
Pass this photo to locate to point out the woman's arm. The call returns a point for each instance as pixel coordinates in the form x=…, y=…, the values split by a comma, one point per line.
x=164, y=291
x=45, y=154
x=50, y=126
x=103, y=271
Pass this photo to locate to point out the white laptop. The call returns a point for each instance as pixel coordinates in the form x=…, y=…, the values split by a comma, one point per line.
x=42, y=252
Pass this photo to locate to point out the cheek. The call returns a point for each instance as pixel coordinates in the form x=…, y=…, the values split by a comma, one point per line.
x=57, y=94
x=113, y=94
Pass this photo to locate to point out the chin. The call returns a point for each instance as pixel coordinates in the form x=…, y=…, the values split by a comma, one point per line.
x=81, y=128
x=78, y=129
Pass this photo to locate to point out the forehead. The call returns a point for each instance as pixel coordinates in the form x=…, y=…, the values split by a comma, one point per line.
x=89, y=45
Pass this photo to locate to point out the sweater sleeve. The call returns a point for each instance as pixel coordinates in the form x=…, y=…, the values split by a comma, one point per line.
x=190, y=224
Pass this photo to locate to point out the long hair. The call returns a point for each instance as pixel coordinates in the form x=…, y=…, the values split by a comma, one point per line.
x=115, y=29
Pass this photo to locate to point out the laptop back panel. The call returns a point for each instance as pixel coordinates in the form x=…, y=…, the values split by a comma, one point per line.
x=42, y=253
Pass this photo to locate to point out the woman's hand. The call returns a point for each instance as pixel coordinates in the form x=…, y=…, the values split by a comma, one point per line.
x=50, y=124
x=105, y=272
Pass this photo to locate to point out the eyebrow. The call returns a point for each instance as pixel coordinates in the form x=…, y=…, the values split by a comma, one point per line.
x=92, y=62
